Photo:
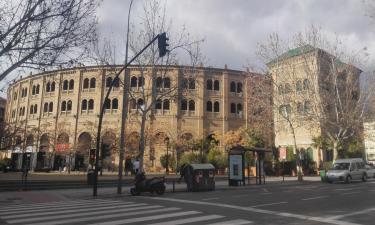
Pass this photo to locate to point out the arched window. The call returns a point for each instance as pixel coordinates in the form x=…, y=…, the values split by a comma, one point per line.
x=50, y=107
x=37, y=89
x=33, y=90
x=116, y=82
x=108, y=82
x=65, y=85
x=53, y=84
x=141, y=81
x=216, y=107
x=35, y=109
x=298, y=86
x=48, y=87
x=232, y=86
x=239, y=87
x=20, y=112
x=92, y=83
x=69, y=106
x=184, y=104
x=114, y=103
x=91, y=104
x=209, y=106
x=167, y=82
x=191, y=105
x=216, y=85
x=191, y=83
x=84, y=105
x=307, y=107
x=107, y=104
x=281, y=89
x=45, y=107
x=140, y=102
x=239, y=108
x=158, y=104
x=288, y=88
x=86, y=83
x=133, y=82
x=159, y=82
x=166, y=104
x=63, y=106
x=71, y=84
x=232, y=108
x=32, y=109
x=306, y=84
x=185, y=83
x=133, y=104
x=209, y=84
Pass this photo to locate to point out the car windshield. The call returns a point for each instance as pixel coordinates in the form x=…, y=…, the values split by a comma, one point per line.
x=340, y=166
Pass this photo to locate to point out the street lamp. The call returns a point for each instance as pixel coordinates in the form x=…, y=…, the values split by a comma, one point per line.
x=166, y=140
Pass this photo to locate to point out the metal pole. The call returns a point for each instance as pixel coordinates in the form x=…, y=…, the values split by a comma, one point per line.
x=95, y=186
x=124, y=111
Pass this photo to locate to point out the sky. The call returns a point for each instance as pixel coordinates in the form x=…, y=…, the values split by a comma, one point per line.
x=233, y=29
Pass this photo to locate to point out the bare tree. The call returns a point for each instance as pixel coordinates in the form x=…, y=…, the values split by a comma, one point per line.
x=157, y=89
x=44, y=33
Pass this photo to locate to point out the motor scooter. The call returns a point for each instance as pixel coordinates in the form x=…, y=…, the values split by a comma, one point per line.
x=153, y=185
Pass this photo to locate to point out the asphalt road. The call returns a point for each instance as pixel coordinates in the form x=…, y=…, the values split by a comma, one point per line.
x=306, y=203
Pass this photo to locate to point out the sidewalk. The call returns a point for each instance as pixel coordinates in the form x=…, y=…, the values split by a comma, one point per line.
x=24, y=197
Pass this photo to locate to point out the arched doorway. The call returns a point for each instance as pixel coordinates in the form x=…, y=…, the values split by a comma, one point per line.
x=42, y=160
x=84, y=154
x=132, y=144
x=61, y=152
x=108, y=155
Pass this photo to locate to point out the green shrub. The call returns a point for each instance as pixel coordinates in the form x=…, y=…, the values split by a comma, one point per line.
x=171, y=161
x=192, y=157
x=217, y=158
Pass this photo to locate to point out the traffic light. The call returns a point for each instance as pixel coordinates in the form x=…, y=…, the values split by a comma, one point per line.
x=106, y=150
x=162, y=44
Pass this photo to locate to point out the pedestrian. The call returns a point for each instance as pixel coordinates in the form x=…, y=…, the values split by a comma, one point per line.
x=182, y=171
x=136, y=165
x=128, y=166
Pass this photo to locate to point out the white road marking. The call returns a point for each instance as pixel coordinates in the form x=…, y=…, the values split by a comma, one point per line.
x=70, y=210
x=267, y=193
x=106, y=216
x=350, y=193
x=312, y=198
x=352, y=214
x=232, y=222
x=240, y=196
x=189, y=220
x=256, y=210
x=58, y=218
x=275, y=203
x=56, y=205
x=148, y=218
x=208, y=199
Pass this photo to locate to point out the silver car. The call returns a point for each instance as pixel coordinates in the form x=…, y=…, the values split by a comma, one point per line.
x=347, y=170
x=370, y=170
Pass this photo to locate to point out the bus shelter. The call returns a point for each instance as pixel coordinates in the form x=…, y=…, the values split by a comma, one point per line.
x=238, y=163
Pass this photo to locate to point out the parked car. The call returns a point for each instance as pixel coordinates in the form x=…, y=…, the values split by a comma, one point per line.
x=370, y=170
x=347, y=170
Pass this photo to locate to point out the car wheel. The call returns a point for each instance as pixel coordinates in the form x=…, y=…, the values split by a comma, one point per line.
x=348, y=179
x=364, y=177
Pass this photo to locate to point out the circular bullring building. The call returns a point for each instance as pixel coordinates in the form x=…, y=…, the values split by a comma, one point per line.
x=55, y=114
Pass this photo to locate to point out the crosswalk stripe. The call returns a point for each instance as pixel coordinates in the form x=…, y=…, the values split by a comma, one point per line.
x=107, y=216
x=232, y=222
x=70, y=215
x=69, y=210
x=55, y=204
x=148, y=218
x=190, y=220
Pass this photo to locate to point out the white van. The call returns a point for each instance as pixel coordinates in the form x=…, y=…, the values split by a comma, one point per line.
x=347, y=170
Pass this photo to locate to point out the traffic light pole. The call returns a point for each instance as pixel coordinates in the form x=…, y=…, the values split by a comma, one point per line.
x=97, y=151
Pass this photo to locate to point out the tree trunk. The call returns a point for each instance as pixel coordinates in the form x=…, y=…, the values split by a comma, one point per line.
x=299, y=167
x=142, y=142
x=335, y=152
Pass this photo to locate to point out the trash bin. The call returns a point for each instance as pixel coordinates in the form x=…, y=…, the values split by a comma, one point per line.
x=322, y=174
x=90, y=177
x=200, y=177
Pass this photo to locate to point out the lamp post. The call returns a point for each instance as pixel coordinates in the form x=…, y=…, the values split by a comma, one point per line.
x=167, y=157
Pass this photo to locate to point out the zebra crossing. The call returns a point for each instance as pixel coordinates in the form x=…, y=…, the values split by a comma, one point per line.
x=108, y=212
